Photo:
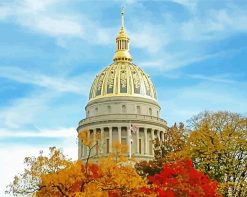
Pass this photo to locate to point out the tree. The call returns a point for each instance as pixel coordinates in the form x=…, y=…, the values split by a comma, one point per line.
x=181, y=179
x=218, y=147
x=164, y=151
x=107, y=178
x=29, y=181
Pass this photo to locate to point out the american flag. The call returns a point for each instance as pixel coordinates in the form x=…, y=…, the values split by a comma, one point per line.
x=133, y=128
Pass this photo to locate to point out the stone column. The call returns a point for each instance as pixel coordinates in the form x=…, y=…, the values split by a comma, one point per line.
x=119, y=135
x=146, y=143
x=158, y=134
x=110, y=139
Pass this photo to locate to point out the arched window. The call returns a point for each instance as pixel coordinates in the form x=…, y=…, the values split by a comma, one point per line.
x=150, y=111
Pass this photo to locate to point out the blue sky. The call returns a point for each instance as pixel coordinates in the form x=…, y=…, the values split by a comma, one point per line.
x=51, y=50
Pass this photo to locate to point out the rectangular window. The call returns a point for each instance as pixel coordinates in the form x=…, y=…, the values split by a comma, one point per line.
x=138, y=108
x=124, y=132
x=107, y=145
x=150, y=147
x=140, y=146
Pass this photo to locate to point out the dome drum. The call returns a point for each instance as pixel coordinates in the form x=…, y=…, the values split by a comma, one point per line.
x=122, y=105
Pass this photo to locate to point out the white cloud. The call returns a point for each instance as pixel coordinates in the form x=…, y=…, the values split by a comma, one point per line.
x=216, y=25
x=182, y=103
x=54, y=133
x=57, y=26
x=174, y=61
x=189, y=4
x=46, y=18
x=214, y=78
x=149, y=37
x=73, y=85
x=25, y=110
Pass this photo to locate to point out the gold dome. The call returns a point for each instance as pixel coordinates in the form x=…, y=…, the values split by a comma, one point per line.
x=122, y=78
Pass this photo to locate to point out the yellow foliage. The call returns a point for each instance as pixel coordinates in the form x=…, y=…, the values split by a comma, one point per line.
x=102, y=179
x=29, y=181
x=218, y=147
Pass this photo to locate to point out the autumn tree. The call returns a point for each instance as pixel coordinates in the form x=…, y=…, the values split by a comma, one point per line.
x=174, y=141
x=179, y=179
x=106, y=178
x=164, y=151
x=218, y=147
x=29, y=181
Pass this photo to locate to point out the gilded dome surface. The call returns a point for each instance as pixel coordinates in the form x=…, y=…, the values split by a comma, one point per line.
x=122, y=79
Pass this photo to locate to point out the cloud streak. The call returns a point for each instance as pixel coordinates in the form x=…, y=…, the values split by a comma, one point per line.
x=72, y=85
x=49, y=133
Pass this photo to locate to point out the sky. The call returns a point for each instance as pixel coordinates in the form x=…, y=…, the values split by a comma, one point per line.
x=51, y=51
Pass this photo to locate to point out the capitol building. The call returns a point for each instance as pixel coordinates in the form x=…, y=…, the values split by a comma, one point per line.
x=123, y=106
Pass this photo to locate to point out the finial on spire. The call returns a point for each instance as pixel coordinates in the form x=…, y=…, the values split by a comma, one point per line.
x=122, y=41
x=122, y=16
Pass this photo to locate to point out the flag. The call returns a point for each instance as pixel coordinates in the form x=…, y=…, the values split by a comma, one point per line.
x=133, y=129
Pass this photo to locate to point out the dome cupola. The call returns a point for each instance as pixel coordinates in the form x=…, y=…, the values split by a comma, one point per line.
x=122, y=41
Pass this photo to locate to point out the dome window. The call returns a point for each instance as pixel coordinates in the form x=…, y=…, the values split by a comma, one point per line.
x=123, y=108
x=150, y=111
x=138, y=109
x=109, y=109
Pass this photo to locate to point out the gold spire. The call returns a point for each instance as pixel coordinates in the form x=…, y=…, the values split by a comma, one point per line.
x=122, y=51
x=122, y=17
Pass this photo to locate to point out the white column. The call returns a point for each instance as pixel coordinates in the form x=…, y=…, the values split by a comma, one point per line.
x=110, y=141
x=119, y=135
x=158, y=134
x=145, y=141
